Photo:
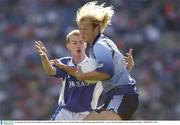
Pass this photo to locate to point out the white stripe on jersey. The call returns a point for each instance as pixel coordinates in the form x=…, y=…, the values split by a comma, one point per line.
x=96, y=94
x=61, y=96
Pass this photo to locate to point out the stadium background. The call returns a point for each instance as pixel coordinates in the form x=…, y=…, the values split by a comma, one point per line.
x=150, y=27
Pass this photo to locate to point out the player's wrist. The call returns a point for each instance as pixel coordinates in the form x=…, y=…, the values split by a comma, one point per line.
x=43, y=56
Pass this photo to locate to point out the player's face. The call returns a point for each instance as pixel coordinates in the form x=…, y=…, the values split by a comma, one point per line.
x=88, y=33
x=76, y=45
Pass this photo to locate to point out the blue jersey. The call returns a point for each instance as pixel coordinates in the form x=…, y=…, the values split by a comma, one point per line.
x=76, y=96
x=111, y=62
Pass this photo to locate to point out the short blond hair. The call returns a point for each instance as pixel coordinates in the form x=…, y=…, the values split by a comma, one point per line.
x=99, y=14
x=73, y=32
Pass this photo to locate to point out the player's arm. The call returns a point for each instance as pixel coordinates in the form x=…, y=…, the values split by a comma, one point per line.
x=106, y=68
x=94, y=75
x=76, y=72
x=49, y=69
x=102, y=76
x=129, y=60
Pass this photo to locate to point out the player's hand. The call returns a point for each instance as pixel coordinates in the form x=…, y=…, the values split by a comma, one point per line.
x=41, y=48
x=57, y=63
x=129, y=60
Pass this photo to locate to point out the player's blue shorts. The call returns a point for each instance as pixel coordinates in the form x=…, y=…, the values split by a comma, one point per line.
x=123, y=100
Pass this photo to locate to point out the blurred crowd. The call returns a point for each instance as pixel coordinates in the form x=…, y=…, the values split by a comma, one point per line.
x=150, y=27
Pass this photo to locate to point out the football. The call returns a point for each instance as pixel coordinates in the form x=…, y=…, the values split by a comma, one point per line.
x=88, y=66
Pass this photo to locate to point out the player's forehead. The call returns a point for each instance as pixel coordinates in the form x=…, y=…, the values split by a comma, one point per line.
x=75, y=38
x=85, y=22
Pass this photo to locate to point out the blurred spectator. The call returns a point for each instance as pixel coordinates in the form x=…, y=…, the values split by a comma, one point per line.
x=150, y=27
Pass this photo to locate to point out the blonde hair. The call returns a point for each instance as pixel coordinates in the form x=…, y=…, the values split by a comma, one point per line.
x=74, y=32
x=99, y=14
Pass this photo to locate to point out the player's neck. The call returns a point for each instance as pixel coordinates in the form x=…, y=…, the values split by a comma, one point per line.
x=78, y=58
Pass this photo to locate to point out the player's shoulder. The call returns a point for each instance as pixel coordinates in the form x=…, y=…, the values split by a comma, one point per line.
x=65, y=60
x=103, y=41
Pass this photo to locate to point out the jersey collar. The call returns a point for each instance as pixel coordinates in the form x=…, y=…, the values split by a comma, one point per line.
x=97, y=37
x=74, y=65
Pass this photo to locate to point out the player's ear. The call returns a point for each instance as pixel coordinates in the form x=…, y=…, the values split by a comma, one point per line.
x=85, y=44
x=68, y=46
x=97, y=29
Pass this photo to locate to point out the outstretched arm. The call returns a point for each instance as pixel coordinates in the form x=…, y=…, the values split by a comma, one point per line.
x=49, y=69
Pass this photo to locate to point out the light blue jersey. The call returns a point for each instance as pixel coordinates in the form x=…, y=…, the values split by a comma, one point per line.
x=112, y=62
x=120, y=93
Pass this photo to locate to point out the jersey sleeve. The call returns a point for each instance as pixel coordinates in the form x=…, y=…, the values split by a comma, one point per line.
x=103, y=55
x=59, y=72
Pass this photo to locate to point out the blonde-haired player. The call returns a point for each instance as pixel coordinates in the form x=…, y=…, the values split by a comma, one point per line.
x=121, y=97
x=99, y=15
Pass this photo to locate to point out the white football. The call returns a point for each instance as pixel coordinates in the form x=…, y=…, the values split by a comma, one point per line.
x=88, y=66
